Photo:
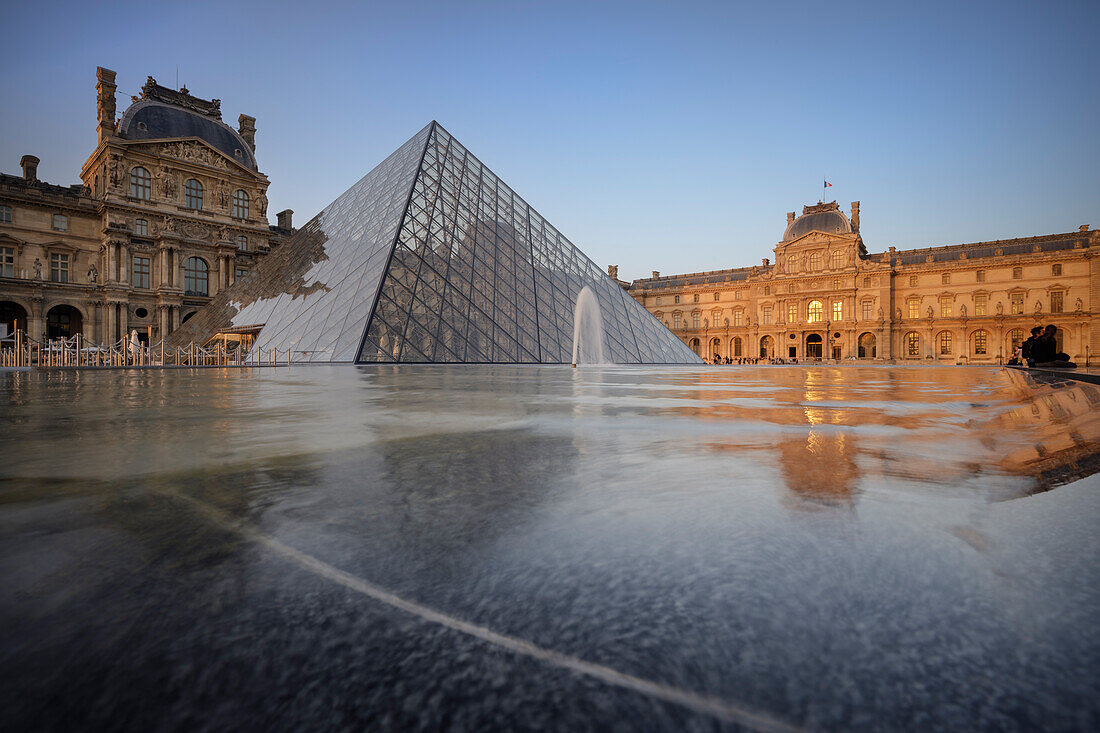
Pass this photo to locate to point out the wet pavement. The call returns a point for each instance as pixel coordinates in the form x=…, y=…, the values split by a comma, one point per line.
x=774, y=548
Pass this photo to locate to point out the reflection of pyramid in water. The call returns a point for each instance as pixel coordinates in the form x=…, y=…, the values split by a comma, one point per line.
x=431, y=258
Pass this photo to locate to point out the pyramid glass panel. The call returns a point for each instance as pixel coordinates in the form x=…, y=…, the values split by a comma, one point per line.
x=431, y=258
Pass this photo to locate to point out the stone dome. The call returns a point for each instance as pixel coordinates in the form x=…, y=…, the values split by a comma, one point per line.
x=825, y=218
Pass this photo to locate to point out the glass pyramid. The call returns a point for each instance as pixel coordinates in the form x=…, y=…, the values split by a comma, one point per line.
x=431, y=258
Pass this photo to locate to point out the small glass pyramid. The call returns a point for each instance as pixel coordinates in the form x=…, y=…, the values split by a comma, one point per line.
x=431, y=258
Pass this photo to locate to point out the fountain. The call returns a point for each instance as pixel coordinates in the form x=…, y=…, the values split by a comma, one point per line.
x=588, y=329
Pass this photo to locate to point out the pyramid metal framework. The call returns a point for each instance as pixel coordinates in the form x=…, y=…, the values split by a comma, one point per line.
x=431, y=258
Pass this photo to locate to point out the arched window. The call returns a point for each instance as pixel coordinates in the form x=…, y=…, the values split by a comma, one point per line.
x=736, y=347
x=139, y=183
x=945, y=343
x=815, y=313
x=192, y=194
x=196, y=277
x=981, y=343
x=242, y=243
x=837, y=260
x=240, y=204
x=912, y=344
x=815, y=261
x=1015, y=338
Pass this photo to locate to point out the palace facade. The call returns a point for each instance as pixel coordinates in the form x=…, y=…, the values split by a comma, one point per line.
x=172, y=209
x=827, y=298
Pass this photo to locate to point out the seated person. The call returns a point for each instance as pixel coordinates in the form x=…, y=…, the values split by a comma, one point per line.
x=1045, y=352
x=1028, y=345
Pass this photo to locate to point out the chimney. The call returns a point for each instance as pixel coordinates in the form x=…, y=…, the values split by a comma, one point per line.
x=247, y=128
x=613, y=272
x=893, y=249
x=284, y=218
x=855, y=215
x=656, y=274
x=30, y=168
x=790, y=217
x=1083, y=228
x=105, y=102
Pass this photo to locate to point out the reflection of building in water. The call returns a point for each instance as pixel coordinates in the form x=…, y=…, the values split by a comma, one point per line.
x=820, y=467
x=827, y=297
x=1065, y=418
x=172, y=210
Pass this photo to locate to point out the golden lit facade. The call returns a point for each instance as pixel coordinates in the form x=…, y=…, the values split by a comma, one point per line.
x=172, y=209
x=826, y=298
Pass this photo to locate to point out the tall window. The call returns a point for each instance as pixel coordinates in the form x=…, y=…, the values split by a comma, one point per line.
x=912, y=281
x=838, y=310
x=5, y=215
x=677, y=320
x=7, y=262
x=912, y=344
x=192, y=194
x=716, y=296
x=945, y=279
x=836, y=283
x=240, y=204
x=675, y=298
x=979, y=276
x=816, y=312
x=980, y=301
x=141, y=272
x=945, y=308
x=59, y=268
x=766, y=314
x=815, y=261
x=242, y=245
x=981, y=343
x=1016, y=303
x=738, y=318
x=1056, y=301
x=867, y=305
x=945, y=343
x=695, y=320
x=139, y=183
x=1015, y=338
x=196, y=277
x=837, y=260
x=141, y=227
x=60, y=223
x=914, y=308
x=792, y=312
x=1017, y=273
x=737, y=346
x=1056, y=269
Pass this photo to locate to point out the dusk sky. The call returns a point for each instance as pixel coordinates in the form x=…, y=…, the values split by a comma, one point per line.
x=658, y=136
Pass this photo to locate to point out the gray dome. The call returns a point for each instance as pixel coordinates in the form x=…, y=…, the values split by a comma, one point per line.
x=165, y=121
x=818, y=218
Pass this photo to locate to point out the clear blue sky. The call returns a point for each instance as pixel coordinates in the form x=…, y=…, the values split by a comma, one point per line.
x=659, y=136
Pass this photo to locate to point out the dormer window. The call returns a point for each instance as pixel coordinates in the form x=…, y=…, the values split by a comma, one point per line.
x=142, y=126
x=237, y=152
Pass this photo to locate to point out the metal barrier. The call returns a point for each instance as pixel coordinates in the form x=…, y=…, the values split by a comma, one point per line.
x=23, y=351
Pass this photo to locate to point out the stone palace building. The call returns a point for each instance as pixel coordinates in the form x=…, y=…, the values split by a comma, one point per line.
x=827, y=298
x=172, y=209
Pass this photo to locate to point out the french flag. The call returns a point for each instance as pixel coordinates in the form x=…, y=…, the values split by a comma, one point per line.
x=827, y=184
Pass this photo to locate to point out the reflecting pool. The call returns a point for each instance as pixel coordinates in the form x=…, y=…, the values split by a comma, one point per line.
x=472, y=547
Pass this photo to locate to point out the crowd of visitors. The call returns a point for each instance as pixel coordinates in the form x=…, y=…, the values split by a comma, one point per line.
x=716, y=359
x=1041, y=350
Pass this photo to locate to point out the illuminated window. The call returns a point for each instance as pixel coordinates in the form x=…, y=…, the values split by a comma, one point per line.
x=196, y=277
x=1056, y=301
x=60, y=223
x=945, y=308
x=1015, y=338
x=912, y=344
x=1016, y=303
x=141, y=227
x=139, y=183
x=838, y=310
x=867, y=305
x=792, y=312
x=192, y=194
x=141, y=272
x=766, y=314
x=981, y=343
x=59, y=268
x=945, y=343
x=816, y=312
x=980, y=301
x=240, y=204
x=914, y=308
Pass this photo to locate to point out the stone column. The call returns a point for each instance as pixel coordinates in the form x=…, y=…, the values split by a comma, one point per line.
x=36, y=324
x=123, y=319
x=112, y=312
x=123, y=264
x=162, y=319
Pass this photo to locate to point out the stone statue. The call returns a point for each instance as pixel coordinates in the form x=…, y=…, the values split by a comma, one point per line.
x=115, y=169
x=222, y=192
x=962, y=310
x=1078, y=306
x=1000, y=308
x=169, y=224
x=37, y=269
x=880, y=313
x=1038, y=307
x=931, y=313
x=262, y=200
x=93, y=273
x=167, y=183
x=897, y=314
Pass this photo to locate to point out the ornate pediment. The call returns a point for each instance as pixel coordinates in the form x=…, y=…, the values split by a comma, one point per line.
x=181, y=98
x=193, y=150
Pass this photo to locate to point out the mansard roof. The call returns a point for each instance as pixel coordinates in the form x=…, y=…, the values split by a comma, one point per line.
x=820, y=217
